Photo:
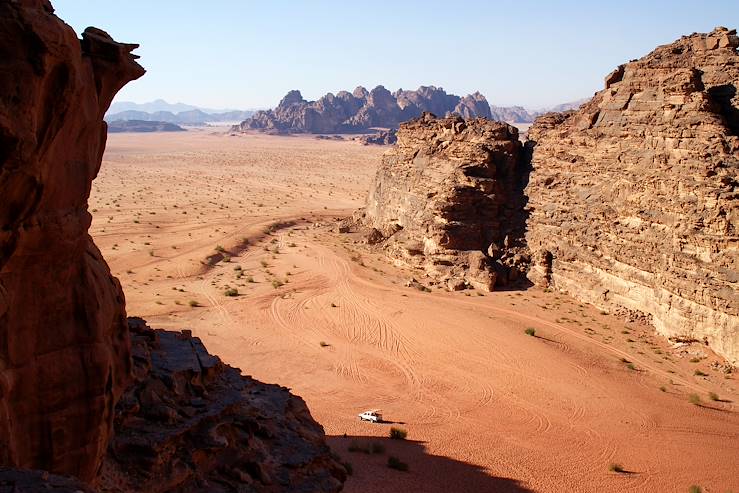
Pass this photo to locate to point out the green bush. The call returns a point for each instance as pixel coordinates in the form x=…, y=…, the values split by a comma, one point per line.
x=231, y=292
x=530, y=331
x=194, y=303
x=713, y=396
x=616, y=468
x=695, y=489
x=398, y=433
x=694, y=399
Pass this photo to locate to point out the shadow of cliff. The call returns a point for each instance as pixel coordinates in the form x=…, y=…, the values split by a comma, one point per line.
x=426, y=473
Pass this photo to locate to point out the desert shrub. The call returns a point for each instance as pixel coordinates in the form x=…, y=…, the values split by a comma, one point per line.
x=663, y=388
x=333, y=305
x=249, y=279
x=699, y=373
x=398, y=433
x=530, y=331
x=231, y=292
x=220, y=249
x=631, y=366
x=694, y=399
x=713, y=396
x=276, y=283
x=695, y=489
x=263, y=263
x=324, y=344
x=194, y=303
x=397, y=464
x=695, y=360
x=616, y=468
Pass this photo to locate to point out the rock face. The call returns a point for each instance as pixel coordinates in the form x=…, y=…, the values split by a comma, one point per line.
x=447, y=199
x=634, y=198
x=190, y=423
x=361, y=110
x=64, y=348
x=186, y=422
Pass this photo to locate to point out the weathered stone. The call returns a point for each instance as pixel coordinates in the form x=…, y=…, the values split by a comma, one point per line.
x=192, y=423
x=445, y=192
x=189, y=423
x=634, y=198
x=64, y=349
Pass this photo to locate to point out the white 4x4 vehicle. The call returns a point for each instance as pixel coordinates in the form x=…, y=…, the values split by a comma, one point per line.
x=374, y=416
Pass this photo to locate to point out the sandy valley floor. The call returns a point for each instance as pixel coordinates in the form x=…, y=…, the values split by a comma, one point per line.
x=181, y=218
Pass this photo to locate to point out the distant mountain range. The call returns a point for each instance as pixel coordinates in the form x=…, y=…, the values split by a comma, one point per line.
x=343, y=112
x=177, y=113
x=139, y=126
x=362, y=110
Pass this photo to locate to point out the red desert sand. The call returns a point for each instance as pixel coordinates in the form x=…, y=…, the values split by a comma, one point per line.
x=234, y=238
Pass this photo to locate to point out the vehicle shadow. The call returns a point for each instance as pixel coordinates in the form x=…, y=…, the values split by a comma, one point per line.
x=427, y=473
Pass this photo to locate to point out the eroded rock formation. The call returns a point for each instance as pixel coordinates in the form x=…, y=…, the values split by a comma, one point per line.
x=186, y=421
x=446, y=199
x=64, y=349
x=634, y=198
x=192, y=423
x=361, y=110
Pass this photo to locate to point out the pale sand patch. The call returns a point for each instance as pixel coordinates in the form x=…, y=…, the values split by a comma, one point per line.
x=487, y=408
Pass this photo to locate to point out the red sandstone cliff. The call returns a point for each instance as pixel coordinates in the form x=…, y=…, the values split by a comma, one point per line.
x=184, y=421
x=64, y=350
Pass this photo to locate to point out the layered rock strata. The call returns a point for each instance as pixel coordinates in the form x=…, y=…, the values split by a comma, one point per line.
x=447, y=199
x=634, y=198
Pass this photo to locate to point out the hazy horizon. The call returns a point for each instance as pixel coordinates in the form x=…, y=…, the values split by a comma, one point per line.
x=248, y=55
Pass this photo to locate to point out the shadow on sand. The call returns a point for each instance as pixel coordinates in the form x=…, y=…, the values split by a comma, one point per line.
x=426, y=473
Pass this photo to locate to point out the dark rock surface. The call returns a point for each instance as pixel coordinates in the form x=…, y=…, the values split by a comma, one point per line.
x=191, y=423
x=30, y=481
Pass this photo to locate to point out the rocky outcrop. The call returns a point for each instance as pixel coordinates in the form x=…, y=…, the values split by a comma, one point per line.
x=192, y=423
x=64, y=349
x=186, y=421
x=447, y=199
x=361, y=110
x=634, y=198
x=383, y=138
x=473, y=106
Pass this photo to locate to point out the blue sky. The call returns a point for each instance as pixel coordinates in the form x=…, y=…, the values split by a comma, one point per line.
x=245, y=54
